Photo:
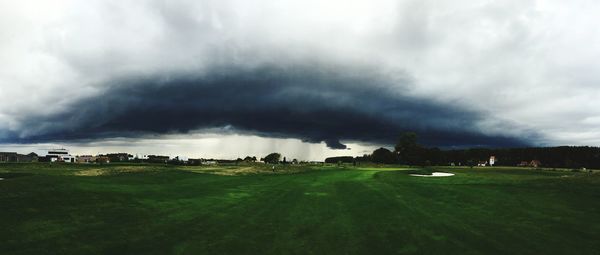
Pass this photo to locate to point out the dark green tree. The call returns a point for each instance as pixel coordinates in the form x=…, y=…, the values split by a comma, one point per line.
x=272, y=158
x=407, y=141
x=250, y=159
x=383, y=156
x=408, y=151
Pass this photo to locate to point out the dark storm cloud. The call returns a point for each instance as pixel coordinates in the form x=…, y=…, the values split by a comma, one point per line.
x=311, y=103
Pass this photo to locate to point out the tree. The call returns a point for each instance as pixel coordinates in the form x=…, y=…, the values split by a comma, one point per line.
x=383, y=155
x=250, y=159
x=407, y=141
x=408, y=151
x=272, y=158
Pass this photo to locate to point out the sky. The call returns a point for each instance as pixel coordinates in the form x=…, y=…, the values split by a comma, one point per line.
x=309, y=78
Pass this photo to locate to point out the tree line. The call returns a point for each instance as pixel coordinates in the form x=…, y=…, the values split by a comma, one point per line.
x=408, y=152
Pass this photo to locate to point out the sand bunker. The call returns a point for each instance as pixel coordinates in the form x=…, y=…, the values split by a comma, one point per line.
x=434, y=174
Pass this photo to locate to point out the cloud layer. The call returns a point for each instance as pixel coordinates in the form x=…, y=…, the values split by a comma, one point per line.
x=314, y=104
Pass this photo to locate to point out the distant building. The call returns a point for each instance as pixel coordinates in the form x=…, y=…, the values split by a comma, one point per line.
x=158, y=159
x=59, y=155
x=209, y=162
x=532, y=163
x=194, y=161
x=535, y=163
x=13, y=157
x=102, y=159
x=118, y=157
x=85, y=159
x=492, y=160
x=8, y=157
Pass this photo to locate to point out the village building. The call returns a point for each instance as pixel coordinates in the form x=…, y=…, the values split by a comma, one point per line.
x=32, y=157
x=209, y=162
x=492, y=160
x=85, y=159
x=535, y=163
x=58, y=155
x=158, y=159
x=119, y=157
x=8, y=157
x=13, y=157
x=102, y=160
x=194, y=161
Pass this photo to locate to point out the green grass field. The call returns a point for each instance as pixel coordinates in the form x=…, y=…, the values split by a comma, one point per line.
x=155, y=209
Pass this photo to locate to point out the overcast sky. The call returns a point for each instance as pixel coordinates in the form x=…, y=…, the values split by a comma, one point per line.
x=307, y=78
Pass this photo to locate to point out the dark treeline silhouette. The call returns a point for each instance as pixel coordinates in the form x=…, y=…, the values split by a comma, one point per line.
x=342, y=159
x=407, y=151
x=553, y=157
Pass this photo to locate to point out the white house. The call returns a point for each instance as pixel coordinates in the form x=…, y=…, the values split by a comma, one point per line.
x=60, y=155
x=143, y=156
x=492, y=160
